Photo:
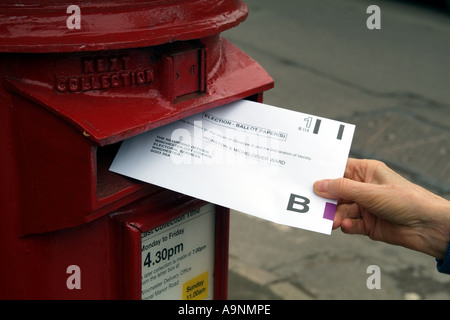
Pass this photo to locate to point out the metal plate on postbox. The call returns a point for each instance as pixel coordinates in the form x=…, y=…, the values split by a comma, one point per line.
x=178, y=257
x=189, y=72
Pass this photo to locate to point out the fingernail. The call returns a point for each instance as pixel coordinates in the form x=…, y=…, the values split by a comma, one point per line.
x=322, y=185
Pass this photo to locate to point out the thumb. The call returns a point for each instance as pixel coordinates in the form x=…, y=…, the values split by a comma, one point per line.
x=345, y=189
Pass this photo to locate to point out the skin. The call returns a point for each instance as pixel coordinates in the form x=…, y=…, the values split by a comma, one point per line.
x=375, y=201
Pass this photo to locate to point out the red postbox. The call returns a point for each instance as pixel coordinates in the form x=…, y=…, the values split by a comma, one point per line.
x=75, y=82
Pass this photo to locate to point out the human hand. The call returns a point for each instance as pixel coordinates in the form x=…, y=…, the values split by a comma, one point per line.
x=375, y=201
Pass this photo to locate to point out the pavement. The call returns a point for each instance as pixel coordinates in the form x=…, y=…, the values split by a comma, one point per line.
x=393, y=83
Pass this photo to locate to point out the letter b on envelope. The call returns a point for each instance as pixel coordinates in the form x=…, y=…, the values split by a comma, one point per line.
x=298, y=203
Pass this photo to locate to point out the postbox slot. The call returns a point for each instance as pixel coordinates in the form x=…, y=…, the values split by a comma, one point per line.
x=111, y=186
x=108, y=183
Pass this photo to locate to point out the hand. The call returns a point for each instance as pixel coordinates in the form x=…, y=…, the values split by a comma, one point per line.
x=375, y=201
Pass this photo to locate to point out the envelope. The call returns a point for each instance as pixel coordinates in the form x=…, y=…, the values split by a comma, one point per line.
x=251, y=157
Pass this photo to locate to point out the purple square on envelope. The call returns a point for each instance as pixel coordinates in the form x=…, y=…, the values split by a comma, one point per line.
x=330, y=210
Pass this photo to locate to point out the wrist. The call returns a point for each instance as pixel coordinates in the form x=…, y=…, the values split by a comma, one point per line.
x=429, y=232
x=440, y=232
x=443, y=265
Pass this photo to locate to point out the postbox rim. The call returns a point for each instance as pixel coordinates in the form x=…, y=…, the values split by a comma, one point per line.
x=42, y=27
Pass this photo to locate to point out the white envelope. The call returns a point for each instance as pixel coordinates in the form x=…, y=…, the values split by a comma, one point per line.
x=251, y=157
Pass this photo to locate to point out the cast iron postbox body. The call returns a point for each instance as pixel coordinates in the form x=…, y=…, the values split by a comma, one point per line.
x=70, y=228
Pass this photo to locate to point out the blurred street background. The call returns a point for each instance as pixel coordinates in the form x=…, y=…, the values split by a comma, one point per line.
x=393, y=83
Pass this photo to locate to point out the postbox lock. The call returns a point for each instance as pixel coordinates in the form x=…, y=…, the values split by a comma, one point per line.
x=193, y=71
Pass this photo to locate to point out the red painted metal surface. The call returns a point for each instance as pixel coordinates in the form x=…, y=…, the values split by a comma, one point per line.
x=40, y=26
x=67, y=100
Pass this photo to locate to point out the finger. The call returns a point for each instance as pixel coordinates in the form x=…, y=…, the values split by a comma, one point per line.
x=353, y=226
x=348, y=210
x=345, y=211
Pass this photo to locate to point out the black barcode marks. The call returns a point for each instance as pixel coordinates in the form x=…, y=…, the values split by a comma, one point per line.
x=317, y=126
x=339, y=134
